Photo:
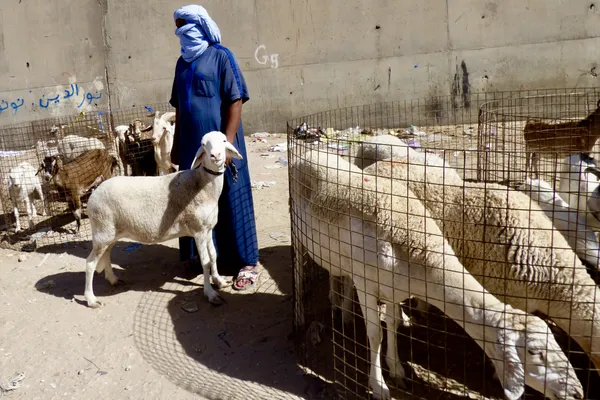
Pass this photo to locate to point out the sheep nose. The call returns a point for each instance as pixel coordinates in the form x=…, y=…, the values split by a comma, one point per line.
x=216, y=156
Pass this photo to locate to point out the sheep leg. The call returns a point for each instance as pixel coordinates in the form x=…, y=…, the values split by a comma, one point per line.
x=39, y=190
x=17, y=221
x=393, y=318
x=347, y=299
x=217, y=279
x=106, y=265
x=370, y=311
x=77, y=209
x=92, y=262
x=202, y=246
x=30, y=211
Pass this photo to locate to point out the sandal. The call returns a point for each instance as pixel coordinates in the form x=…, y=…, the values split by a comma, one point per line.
x=250, y=275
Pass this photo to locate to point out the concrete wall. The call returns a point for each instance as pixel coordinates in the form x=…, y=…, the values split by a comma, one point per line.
x=298, y=56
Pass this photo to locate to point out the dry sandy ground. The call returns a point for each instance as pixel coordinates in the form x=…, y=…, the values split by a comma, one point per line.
x=142, y=344
x=158, y=338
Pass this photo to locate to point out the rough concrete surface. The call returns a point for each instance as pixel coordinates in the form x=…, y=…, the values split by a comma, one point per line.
x=298, y=57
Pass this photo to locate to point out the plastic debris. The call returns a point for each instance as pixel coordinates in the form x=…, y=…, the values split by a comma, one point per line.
x=132, y=247
x=283, y=161
x=413, y=130
x=413, y=143
x=261, y=135
x=281, y=147
x=307, y=133
x=262, y=184
x=11, y=153
x=339, y=146
x=13, y=383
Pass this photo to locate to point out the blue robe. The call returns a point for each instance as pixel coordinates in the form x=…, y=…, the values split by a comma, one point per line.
x=202, y=92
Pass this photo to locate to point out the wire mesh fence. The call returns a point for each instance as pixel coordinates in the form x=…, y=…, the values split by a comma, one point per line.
x=448, y=273
x=50, y=167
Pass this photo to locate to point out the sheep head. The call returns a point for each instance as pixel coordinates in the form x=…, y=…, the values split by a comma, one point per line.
x=527, y=353
x=213, y=152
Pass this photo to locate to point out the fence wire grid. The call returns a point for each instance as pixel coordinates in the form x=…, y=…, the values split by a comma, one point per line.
x=49, y=167
x=422, y=243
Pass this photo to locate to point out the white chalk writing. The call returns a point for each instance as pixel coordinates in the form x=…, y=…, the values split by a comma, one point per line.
x=265, y=57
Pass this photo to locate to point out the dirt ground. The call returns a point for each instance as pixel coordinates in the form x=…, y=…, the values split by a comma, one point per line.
x=158, y=338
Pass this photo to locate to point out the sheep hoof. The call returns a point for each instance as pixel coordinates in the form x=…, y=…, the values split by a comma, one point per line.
x=216, y=300
x=221, y=283
x=95, y=304
x=380, y=390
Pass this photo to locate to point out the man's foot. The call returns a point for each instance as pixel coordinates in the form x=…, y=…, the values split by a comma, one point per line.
x=246, y=279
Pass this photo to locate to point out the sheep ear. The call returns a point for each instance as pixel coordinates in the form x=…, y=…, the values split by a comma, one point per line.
x=511, y=372
x=233, y=151
x=198, y=158
x=593, y=170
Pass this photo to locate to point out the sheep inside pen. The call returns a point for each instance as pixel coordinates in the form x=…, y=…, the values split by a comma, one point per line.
x=329, y=198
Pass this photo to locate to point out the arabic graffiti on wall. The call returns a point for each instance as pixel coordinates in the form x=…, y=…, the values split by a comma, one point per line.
x=72, y=96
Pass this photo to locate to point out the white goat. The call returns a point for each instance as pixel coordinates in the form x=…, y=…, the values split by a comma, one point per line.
x=163, y=131
x=565, y=219
x=577, y=184
x=22, y=185
x=157, y=209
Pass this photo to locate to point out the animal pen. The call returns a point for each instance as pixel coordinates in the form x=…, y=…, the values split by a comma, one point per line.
x=432, y=262
x=69, y=157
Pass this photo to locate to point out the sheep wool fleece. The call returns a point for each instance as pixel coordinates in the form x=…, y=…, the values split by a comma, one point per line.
x=202, y=92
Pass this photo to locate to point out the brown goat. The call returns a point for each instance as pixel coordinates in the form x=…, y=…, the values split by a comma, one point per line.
x=566, y=138
x=80, y=175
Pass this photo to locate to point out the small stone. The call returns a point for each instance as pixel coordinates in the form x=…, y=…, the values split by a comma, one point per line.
x=53, y=385
x=22, y=258
x=80, y=372
x=80, y=333
x=190, y=307
x=127, y=388
x=128, y=368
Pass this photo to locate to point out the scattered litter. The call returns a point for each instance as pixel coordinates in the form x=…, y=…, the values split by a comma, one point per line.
x=339, y=146
x=280, y=237
x=262, y=140
x=41, y=233
x=413, y=130
x=132, y=247
x=273, y=166
x=13, y=383
x=190, y=307
x=44, y=260
x=11, y=153
x=413, y=143
x=49, y=284
x=266, y=155
x=307, y=133
x=261, y=135
x=262, y=184
x=281, y=147
x=283, y=161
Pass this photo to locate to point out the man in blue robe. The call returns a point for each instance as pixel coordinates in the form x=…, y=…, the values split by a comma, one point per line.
x=208, y=92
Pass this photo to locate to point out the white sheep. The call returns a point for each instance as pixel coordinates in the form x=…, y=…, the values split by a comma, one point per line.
x=163, y=131
x=72, y=146
x=157, y=209
x=489, y=224
x=576, y=185
x=23, y=185
x=566, y=220
x=351, y=224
